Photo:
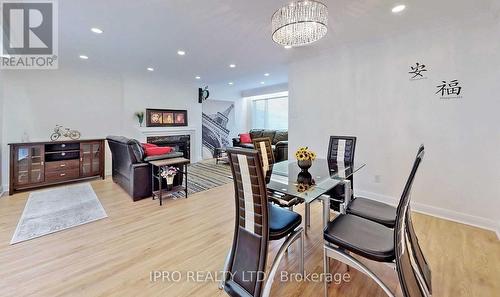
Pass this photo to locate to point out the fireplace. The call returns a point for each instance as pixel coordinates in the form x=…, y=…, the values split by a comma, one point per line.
x=181, y=143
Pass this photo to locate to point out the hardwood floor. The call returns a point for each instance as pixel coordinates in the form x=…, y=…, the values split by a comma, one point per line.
x=115, y=256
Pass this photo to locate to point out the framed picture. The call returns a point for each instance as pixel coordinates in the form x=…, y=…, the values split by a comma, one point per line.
x=166, y=118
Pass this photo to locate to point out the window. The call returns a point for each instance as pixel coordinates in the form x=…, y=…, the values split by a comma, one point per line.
x=270, y=111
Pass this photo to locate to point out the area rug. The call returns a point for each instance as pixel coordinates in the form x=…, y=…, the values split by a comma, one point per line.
x=57, y=209
x=206, y=175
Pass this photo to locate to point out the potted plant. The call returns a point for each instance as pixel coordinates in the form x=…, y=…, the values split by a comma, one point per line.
x=168, y=173
x=140, y=117
x=304, y=158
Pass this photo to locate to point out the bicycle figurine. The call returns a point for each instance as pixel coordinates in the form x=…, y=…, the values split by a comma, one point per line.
x=64, y=132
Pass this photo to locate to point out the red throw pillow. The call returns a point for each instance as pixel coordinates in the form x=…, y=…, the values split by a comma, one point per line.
x=245, y=138
x=145, y=145
x=157, y=151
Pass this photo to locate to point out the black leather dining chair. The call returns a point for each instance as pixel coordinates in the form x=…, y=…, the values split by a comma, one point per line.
x=264, y=146
x=341, y=150
x=372, y=210
x=257, y=222
x=397, y=247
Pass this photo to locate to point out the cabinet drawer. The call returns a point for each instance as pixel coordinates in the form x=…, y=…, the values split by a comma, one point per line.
x=61, y=165
x=56, y=176
x=54, y=147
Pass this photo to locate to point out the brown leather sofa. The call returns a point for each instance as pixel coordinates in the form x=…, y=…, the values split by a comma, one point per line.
x=279, y=141
x=131, y=169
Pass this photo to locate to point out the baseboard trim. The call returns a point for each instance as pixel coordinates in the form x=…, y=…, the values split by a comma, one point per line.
x=439, y=212
x=2, y=192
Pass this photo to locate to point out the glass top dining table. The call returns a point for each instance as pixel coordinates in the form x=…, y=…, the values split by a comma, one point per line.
x=326, y=175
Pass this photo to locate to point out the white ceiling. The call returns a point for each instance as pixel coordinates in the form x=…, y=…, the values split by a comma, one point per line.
x=215, y=33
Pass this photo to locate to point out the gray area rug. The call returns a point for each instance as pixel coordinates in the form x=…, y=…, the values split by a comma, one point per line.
x=57, y=209
x=206, y=175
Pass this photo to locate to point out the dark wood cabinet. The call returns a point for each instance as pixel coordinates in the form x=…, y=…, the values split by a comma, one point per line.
x=39, y=164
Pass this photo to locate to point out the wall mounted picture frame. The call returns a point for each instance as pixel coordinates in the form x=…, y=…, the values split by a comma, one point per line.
x=166, y=117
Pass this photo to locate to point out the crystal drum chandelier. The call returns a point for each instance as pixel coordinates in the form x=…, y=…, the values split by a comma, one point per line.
x=300, y=23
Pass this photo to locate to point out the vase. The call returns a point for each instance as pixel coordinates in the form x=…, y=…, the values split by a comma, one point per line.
x=304, y=164
x=170, y=182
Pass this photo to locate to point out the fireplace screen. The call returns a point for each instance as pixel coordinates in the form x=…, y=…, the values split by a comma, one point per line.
x=180, y=143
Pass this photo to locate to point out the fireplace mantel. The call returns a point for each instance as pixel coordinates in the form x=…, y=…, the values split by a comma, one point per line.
x=167, y=131
x=173, y=131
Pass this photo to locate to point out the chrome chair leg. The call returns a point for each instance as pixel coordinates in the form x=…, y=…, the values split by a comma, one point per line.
x=225, y=270
x=274, y=268
x=341, y=256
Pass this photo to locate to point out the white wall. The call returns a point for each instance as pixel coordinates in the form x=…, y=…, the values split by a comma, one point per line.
x=1, y=132
x=141, y=92
x=95, y=103
x=364, y=90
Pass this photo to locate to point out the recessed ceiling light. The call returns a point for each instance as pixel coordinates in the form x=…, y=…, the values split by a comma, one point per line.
x=150, y=69
x=83, y=57
x=266, y=74
x=96, y=30
x=230, y=83
x=198, y=77
x=288, y=46
x=232, y=65
x=262, y=82
x=398, y=8
x=181, y=52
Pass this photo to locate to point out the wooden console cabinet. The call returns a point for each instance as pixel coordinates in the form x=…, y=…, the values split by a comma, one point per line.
x=39, y=164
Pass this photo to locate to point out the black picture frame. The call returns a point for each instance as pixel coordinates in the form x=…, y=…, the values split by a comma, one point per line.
x=166, y=117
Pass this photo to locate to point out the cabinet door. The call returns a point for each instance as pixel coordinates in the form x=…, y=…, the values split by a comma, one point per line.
x=29, y=165
x=96, y=158
x=37, y=168
x=85, y=159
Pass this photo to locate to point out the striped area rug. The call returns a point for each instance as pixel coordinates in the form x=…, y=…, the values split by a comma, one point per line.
x=206, y=175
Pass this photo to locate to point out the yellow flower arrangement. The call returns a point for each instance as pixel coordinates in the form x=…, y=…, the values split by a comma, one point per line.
x=303, y=154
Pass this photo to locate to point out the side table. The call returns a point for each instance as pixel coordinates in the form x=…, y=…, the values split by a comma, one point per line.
x=220, y=155
x=157, y=165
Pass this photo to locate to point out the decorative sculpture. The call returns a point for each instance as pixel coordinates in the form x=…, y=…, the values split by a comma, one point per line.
x=64, y=132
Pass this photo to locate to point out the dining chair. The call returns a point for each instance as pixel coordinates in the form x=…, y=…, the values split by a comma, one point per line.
x=372, y=210
x=257, y=222
x=341, y=150
x=396, y=247
x=264, y=146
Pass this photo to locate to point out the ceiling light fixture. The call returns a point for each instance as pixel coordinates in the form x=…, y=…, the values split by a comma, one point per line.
x=198, y=77
x=96, y=30
x=266, y=74
x=262, y=82
x=83, y=57
x=232, y=65
x=300, y=23
x=231, y=83
x=398, y=8
x=181, y=52
x=150, y=69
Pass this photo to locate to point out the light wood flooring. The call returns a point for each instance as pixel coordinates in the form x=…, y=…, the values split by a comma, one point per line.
x=115, y=256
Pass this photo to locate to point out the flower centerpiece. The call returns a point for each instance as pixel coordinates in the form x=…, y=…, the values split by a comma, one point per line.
x=305, y=157
x=140, y=117
x=168, y=173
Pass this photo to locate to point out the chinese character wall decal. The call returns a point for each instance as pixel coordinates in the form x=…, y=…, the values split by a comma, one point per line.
x=450, y=90
x=416, y=71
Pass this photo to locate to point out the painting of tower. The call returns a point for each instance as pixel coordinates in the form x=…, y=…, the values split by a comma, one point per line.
x=215, y=130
